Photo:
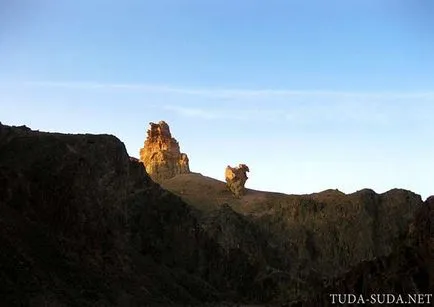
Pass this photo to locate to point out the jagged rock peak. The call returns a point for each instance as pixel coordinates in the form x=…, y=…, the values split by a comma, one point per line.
x=161, y=154
x=159, y=130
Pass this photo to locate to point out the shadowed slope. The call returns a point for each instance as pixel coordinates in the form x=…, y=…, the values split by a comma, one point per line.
x=81, y=224
x=309, y=237
x=408, y=269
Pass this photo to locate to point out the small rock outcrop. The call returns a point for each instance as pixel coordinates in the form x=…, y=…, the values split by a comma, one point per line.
x=236, y=178
x=161, y=154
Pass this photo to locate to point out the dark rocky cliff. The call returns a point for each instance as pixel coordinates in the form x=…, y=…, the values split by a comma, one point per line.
x=309, y=239
x=82, y=224
x=408, y=269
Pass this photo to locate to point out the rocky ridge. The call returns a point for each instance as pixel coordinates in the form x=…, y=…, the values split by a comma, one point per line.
x=408, y=269
x=83, y=224
x=310, y=239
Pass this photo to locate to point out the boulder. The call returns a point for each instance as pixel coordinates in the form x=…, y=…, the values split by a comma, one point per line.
x=236, y=178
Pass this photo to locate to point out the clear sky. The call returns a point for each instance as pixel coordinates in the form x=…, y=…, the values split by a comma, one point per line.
x=309, y=94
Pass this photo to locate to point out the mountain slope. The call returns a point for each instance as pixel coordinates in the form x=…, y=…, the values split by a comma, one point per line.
x=82, y=224
x=407, y=270
x=309, y=238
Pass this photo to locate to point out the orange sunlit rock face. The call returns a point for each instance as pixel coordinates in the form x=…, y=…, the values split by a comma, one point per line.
x=236, y=178
x=161, y=154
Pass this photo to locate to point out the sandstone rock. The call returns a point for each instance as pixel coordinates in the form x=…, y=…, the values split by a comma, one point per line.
x=236, y=178
x=161, y=154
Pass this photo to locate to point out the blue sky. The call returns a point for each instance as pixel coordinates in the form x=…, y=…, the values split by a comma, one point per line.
x=310, y=94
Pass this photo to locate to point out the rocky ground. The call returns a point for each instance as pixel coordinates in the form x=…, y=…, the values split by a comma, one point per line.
x=82, y=224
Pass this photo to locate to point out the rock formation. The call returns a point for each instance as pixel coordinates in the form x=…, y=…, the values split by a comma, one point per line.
x=161, y=154
x=407, y=270
x=236, y=178
x=82, y=224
